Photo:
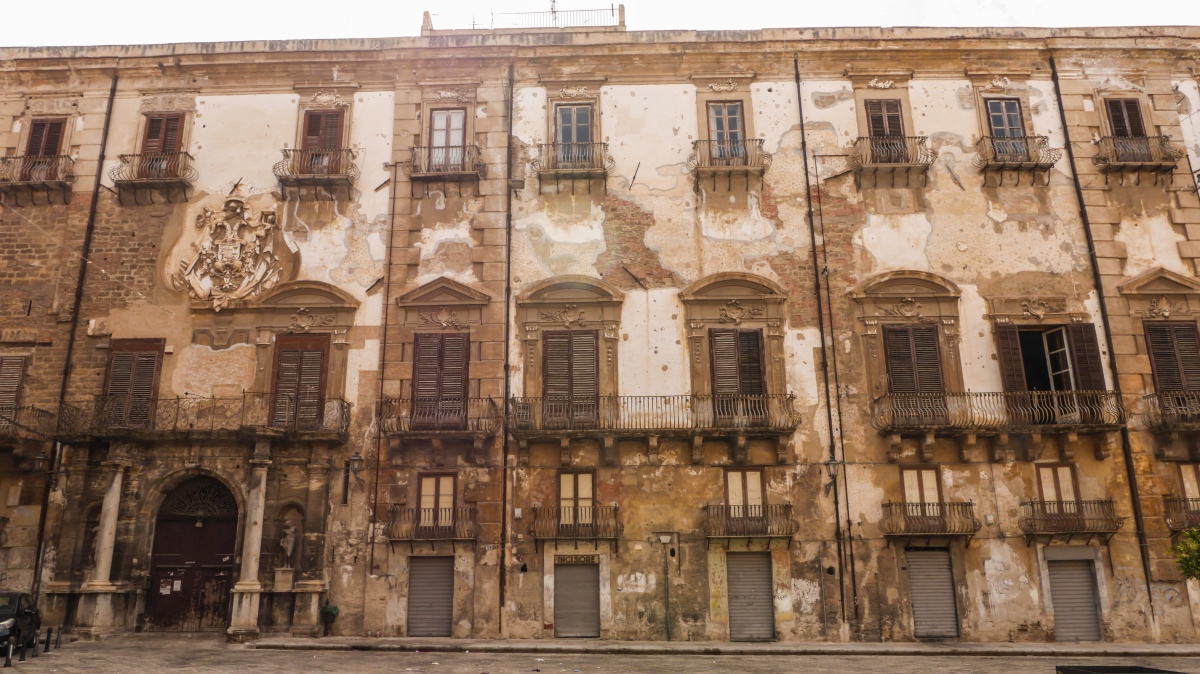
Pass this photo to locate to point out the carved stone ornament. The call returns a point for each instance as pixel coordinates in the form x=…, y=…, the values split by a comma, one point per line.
x=727, y=85
x=328, y=99
x=1119, y=83
x=1000, y=82
x=574, y=92
x=67, y=105
x=304, y=320
x=172, y=102
x=234, y=256
x=1161, y=307
x=1036, y=308
x=877, y=83
x=734, y=312
x=905, y=308
x=568, y=316
x=453, y=95
x=443, y=318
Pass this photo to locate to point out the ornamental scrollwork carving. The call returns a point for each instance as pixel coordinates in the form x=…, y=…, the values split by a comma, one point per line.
x=328, y=99
x=569, y=315
x=459, y=95
x=734, y=312
x=443, y=318
x=905, y=308
x=1119, y=83
x=877, y=83
x=304, y=320
x=1161, y=307
x=720, y=87
x=234, y=256
x=1037, y=308
x=574, y=92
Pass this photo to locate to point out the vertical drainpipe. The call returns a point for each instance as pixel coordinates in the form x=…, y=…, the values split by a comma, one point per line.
x=85, y=251
x=1131, y=473
x=505, y=515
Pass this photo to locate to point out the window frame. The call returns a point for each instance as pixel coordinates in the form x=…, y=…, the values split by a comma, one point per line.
x=762, y=486
x=437, y=522
x=1056, y=466
x=1148, y=127
x=1184, y=469
x=919, y=471
x=63, y=140
x=322, y=339
x=897, y=90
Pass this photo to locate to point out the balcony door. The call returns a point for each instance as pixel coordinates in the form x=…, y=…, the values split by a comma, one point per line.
x=298, y=399
x=1059, y=494
x=160, y=147
x=1175, y=360
x=738, y=377
x=746, y=502
x=131, y=384
x=1189, y=480
x=923, y=511
x=576, y=502
x=1057, y=372
x=571, y=384
x=436, y=496
x=321, y=143
x=1128, y=130
x=12, y=374
x=914, y=370
x=42, y=150
x=447, y=140
x=1008, y=131
x=440, y=381
x=727, y=133
x=574, y=136
x=885, y=126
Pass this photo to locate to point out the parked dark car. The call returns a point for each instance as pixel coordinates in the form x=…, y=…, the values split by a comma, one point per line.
x=19, y=620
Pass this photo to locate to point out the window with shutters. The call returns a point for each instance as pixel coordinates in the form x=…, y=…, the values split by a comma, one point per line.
x=321, y=141
x=435, y=493
x=1189, y=480
x=131, y=384
x=299, y=381
x=746, y=501
x=570, y=378
x=727, y=133
x=885, y=126
x=914, y=373
x=43, y=149
x=12, y=375
x=1055, y=368
x=1007, y=130
x=1059, y=493
x=1174, y=348
x=1129, y=131
x=738, y=381
x=161, y=145
x=439, y=389
x=447, y=140
x=573, y=133
x=576, y=502
x=923, y=511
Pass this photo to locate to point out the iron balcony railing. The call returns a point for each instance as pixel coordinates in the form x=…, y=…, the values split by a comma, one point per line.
x=37, y=170
x=254, y=412
x=173, y=167
x=574, y=18
x=431, y=524
x=1022, y=153
x=26, y=422
x=573, y=158
x=575, y=523
x=749, y=521
x=444, y=162
x=1147, y=153
x=1173, y=411
x=873, y=151
x=998, y=412
x=929, y=519
x=316, y=167
x=1182, y=513
x=728, y=155
x=654, y=414
x=1069, y=517
x=439, y=416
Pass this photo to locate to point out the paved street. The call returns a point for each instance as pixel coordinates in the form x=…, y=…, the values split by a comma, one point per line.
x=158, y=653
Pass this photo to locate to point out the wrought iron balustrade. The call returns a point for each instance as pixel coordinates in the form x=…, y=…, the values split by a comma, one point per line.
x=1029, y=411
x=749, y=521
x=26, y=422
x=575, y=522
x=728, y=155
x=1172, y=411
x=871, y=151
x=929, y=519
x=573, y=158
x=1069, y=517
x=37, y=170
x=317, y=167
x=173, y=167
x=440, y=416
x=251, y=412
x=1140, y=153
x=654, y=414
x=1182, y=513
x=1019, y=153
x=455, y=162
x=431, y=524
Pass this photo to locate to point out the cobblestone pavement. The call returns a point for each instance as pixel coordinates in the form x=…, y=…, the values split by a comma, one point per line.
x=147, y=654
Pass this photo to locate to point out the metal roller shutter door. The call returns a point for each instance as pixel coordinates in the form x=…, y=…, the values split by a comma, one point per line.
x=1073, y=595
x=430, y=596
x=751, y=596
x=577, y=600
x=931, y=581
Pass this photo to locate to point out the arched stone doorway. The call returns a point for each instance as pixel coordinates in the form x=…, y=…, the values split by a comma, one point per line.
x=191, y=569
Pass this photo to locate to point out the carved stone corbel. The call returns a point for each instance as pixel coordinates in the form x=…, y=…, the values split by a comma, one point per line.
x=1066, y=450
x=965, y=445
x=394, y=452
x=1001, y=451
x=652, y=448
x=478, y=453
x=697, y=449
x=783, y=448
x=895, y=444
x=1105, y=447
x=738, y=446
x=926, y=449
x=608, y=450
x=1037, y=445
x=564, y=450
x=523, y=452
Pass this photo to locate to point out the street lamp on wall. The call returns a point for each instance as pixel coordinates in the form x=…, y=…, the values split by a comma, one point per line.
x=356, y=464
x=831, y=470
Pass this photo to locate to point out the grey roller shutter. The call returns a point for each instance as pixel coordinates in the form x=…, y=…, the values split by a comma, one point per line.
x=1073, y=596
x=577, y=600
x=931, y=581
x=751, y=596
x=430, y=596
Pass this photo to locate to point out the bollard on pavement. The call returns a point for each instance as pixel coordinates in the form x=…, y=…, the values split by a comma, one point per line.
x=49, y=631
x=8, y=654
x=58, y=637
x=21, y=653
x=36, y=643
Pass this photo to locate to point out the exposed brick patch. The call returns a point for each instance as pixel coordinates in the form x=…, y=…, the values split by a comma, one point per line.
x=625, y=226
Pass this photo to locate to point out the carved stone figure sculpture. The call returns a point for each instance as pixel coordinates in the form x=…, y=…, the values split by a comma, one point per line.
x=288, y=542
x=234, y=257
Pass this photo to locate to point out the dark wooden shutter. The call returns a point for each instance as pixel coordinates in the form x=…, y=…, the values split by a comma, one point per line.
x=1008, y=348
x=132, y=382
x=162, y=134
x=45, y=137
x=1126, y=117
x=322, y=130
x=750, y=363
x=1085, y=352
x=440, y=381
x=723, y=345
x=883, y=117
x=299, y=389
x=556, y=371
x=913, y=358
x=1174, y=355
x=12, y=372
x=571, y=376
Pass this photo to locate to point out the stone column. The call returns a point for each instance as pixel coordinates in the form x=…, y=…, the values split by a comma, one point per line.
x=248, y=590
x=106, y=534
x=103, y=604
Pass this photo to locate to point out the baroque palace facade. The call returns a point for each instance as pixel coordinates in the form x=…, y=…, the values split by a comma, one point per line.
x=795, y=334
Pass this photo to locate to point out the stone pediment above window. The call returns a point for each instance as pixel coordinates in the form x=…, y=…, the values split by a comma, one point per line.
x=443, y=304
x=1162, y=294
x=732, y=299
x=1047, y=309
x=571, y=303
x=291, y=308
x=907, y=296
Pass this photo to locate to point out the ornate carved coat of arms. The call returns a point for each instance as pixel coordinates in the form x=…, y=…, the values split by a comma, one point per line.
x=234, y=256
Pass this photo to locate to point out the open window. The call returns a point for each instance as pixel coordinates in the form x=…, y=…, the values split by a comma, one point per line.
x=1057, y=369
x=299, y=387
x=131, y=384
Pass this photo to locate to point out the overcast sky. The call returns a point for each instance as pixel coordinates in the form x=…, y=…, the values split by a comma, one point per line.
x=85, y=22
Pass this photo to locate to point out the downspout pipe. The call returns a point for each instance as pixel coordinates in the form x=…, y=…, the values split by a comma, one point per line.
x=826, y=342
x=506, y=516
x=1126, y=447
x=77, y=303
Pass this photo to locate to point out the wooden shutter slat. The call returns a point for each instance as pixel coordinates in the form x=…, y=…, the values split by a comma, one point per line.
x=153, y=143
x=170, y=141
x=876, y=122
x=331, y=134
x=1133, y=113
x=37, y=134
x=750, y=363
x=1085, y=352
x=299, y=391
x=1174, y=355
x=901, y=368
x=12, y=372
x=928, y=359
x=585, y=382
x=314, y=121
x=427, y=367
x=556, y=373
x=53, y=141
x=723, y=345
x=454, y=367
x=1008, y=348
